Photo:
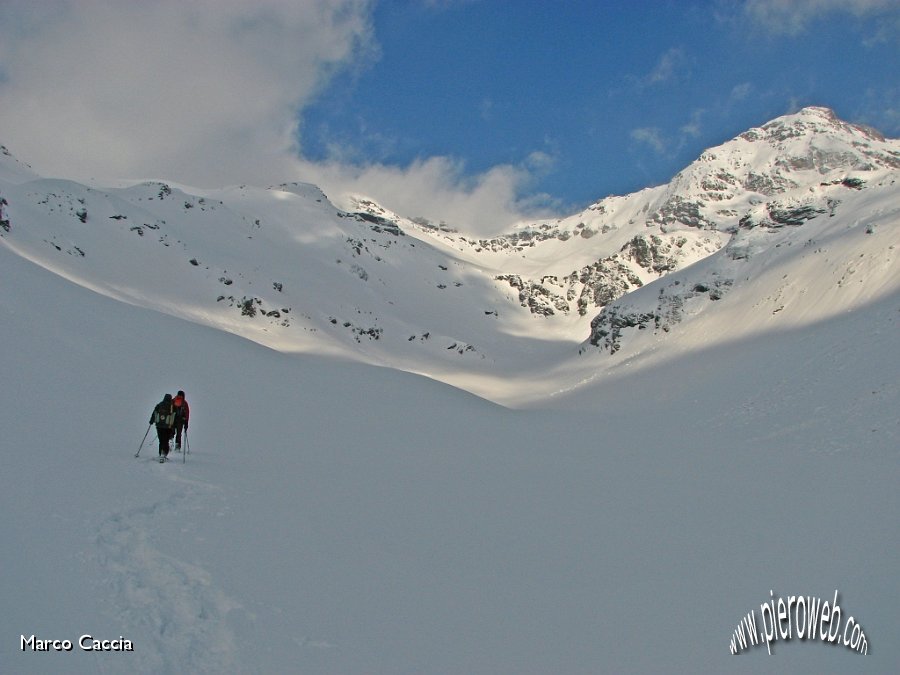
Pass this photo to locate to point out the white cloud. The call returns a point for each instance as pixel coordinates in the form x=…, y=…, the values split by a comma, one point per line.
x=671, y=65
x=439, y=189
x=740, y=92
x=669, y=145
x=694, y=127
x=205, y=92
x=791, y=17
x=651, y=136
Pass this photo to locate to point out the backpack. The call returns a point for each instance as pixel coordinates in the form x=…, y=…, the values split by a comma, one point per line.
x=164, y=415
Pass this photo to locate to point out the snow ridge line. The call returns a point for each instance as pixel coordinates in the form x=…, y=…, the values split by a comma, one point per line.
x=176, y=615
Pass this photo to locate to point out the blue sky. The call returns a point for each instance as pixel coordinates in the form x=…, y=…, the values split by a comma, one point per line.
x=613, y=96
x=475, y=112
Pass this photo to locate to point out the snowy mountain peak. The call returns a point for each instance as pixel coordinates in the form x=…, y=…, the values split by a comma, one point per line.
x=810, y=121
x=778, y=191
x=787, y=153
x=304, y=190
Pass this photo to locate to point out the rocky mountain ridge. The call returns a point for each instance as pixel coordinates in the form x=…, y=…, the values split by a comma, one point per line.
x=285, y=267
x=776, y=175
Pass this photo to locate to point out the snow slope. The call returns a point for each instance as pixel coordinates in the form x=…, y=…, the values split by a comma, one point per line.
x=335, y=517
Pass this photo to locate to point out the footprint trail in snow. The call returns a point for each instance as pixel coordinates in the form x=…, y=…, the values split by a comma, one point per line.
x=171, y=607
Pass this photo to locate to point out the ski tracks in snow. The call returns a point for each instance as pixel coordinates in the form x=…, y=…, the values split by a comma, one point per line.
x=173, y=611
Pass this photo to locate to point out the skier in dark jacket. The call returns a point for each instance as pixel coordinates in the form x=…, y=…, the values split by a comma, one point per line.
x=182, y=416
x=163, y=416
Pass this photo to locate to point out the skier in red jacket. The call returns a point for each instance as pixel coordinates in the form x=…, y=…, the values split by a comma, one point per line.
x=182, y=416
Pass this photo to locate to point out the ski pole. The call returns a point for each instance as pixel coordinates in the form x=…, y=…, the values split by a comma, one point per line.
x=184, y=450
x=141, y=447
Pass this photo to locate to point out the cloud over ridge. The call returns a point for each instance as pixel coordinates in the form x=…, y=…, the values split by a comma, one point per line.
x=204, y=93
